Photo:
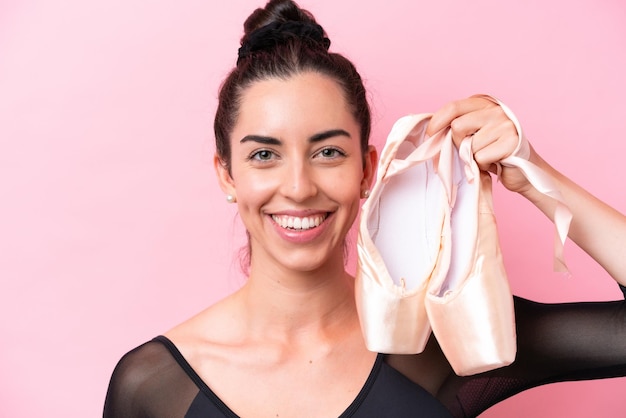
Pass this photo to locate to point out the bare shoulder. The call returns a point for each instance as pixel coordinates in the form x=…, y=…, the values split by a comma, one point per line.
x=217, y=325
x=213, y=323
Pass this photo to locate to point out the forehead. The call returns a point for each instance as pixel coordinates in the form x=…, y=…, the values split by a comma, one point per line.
x=304, y=103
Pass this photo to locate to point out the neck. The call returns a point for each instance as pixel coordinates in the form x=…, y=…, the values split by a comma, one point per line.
x=288, y=305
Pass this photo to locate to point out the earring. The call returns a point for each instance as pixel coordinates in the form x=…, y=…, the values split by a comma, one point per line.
x=230, y=198
x=365, y=194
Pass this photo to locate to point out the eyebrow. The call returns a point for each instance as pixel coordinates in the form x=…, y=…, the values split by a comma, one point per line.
x=268, y=140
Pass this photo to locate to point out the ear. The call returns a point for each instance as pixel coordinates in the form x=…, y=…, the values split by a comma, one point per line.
x=227, y=184
x=370, y=159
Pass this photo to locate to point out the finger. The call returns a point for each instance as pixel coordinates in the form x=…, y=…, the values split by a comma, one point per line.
x=453, y=110
x=501, y=132
x=493, y=131
x=492, y=147
x=486, y=120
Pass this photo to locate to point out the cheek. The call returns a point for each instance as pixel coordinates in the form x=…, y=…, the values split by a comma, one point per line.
x=350, y=179
x=253, y=191
x=346, y=186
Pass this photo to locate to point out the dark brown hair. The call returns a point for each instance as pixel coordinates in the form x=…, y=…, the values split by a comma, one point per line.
x=284, y=57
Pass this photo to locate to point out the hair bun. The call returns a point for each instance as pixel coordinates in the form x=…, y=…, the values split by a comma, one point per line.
x=278, y=23
x=276, y=33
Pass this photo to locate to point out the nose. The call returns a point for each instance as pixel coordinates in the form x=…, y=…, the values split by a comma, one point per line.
x=299, y=182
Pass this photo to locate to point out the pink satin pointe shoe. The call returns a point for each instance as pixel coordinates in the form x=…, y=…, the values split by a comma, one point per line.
x=403, y=241
x=471, y=308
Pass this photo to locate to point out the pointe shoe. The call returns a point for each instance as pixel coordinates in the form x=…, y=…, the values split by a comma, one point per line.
x=403, y=240
x=471, y=308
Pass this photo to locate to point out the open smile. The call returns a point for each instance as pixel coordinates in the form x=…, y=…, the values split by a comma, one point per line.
x=299, y=223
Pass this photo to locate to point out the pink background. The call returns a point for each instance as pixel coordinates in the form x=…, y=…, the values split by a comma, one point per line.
x=113, y=229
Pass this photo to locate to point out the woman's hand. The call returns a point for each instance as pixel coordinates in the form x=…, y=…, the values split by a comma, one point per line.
x=494, y=136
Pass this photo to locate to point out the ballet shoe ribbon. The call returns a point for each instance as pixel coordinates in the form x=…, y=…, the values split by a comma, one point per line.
x=540, y=180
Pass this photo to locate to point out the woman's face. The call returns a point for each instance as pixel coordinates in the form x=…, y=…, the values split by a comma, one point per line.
x=297, y=171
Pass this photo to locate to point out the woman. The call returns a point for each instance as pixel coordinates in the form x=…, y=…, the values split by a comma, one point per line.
x=292, y=130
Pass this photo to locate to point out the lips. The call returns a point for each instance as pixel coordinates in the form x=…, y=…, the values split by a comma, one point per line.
x=299, y=223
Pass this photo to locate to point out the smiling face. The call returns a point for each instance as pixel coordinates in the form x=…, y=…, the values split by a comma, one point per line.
x=297, y=171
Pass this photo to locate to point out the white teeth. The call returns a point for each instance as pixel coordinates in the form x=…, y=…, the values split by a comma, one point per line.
x=293, y=222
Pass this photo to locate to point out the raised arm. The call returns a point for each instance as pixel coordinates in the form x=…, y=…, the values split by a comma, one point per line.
x=597, y=228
